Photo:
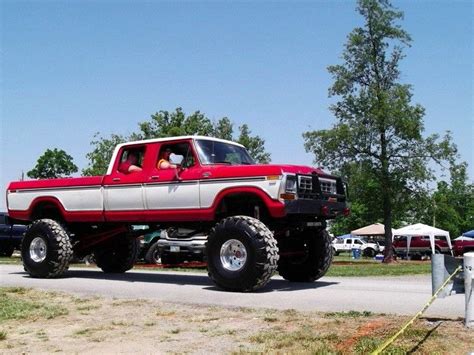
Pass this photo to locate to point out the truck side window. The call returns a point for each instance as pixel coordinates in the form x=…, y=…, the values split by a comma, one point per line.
x=178, y=153
x=131, y=160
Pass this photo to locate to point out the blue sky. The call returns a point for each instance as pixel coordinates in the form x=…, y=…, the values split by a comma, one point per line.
x=73, y=68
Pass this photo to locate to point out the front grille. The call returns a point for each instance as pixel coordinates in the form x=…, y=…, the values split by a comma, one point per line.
x=328, y=186
x=313, y=187
x=306, y=188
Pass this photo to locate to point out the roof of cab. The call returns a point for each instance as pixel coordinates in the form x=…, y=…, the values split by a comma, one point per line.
x=155, y=140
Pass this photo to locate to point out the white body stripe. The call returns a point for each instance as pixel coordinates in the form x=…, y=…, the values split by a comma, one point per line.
x=172, y=196
x=123, y=198
x=140, y=197
x=209, y=190
x=72, y=199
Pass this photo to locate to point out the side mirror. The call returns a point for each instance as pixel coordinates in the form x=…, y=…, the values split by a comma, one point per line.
x=176, y=159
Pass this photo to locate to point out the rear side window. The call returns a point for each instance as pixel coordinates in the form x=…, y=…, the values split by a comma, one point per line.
x=132, y=156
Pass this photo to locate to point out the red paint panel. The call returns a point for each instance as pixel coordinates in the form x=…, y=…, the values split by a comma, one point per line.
x=56, y=183
x=275, y=207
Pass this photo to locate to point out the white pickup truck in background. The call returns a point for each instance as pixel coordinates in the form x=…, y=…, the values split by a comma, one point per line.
x=347, y=244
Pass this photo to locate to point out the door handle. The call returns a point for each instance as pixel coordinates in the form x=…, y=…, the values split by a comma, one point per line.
x=154, y=177
x=116, y=179
x=206, y=175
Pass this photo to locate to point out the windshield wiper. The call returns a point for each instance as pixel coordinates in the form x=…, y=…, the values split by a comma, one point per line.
x=223, y=162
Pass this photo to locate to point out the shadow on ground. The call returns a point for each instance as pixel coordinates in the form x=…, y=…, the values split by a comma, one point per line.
x=184, y=279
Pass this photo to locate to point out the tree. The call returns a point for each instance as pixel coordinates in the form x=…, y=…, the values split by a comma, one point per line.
x=255, y=145
x=452, y=204
x=99, y=157
x=172, y=124
x=52, y=164
x=376, y=123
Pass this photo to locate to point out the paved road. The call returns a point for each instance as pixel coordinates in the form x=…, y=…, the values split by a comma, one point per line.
x=392, y=295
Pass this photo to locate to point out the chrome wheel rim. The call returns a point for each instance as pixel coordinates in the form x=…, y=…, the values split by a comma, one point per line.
x=38, y=250
x=233, y=255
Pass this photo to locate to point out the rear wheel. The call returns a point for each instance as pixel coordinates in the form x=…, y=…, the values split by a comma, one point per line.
x=309, y=256
x=242, y=254
x=46, y=249
x=117, y=255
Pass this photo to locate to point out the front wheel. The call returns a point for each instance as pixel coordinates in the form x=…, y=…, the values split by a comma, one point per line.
x=153, y=254
x=46, y=249
x=369, y=252
x=309, y=256
x=242, y=254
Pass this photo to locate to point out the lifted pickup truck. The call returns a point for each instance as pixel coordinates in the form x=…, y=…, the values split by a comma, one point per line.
x=257, y=217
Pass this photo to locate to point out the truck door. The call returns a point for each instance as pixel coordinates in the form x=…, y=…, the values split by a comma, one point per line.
x=172, y=194
x=123, y=188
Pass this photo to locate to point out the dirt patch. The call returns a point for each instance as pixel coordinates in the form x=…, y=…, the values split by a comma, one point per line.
x=107, y=325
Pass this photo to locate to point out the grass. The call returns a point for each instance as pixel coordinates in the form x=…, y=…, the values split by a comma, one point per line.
x=345, y=266
x=211, y=328
x=342, y=265
x=20, y=303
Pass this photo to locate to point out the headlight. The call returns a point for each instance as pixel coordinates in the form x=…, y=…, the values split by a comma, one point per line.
x=290, y=184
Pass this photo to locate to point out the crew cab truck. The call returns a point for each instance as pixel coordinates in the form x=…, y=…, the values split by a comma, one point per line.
x=257, y=218
x=419, y=246
x=368, y=249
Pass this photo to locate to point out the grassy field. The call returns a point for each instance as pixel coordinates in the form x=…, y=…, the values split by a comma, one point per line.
x=71, y=324
x=342, y=266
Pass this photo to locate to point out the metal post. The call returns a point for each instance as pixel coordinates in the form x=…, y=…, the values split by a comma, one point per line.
x=439, y=274
x=468, y=276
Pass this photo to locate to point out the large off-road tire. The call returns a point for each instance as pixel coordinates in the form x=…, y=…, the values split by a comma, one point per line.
x=46, y=249
x=152, y=255
x=6, y=249
x=242, y=254
x=118, y=254
x=309, y=258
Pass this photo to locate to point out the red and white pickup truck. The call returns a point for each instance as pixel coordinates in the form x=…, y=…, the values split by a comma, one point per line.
x=257, y=217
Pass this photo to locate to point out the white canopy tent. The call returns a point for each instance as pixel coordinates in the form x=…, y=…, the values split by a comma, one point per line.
x=371, y=230
x=421, y=229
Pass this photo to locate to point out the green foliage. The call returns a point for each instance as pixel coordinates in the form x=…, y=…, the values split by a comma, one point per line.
x=99, y=157
x=378, y=128
x=453, y=203
x=255, y=145
x=52, y=164
x=171, y=124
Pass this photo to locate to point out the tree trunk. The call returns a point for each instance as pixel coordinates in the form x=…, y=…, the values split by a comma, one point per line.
x=387, y=221
x=387, y=201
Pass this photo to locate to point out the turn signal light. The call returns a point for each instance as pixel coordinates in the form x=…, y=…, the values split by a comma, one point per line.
x=287, y=196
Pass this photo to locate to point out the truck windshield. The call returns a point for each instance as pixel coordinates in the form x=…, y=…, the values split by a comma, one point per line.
x=213, y=152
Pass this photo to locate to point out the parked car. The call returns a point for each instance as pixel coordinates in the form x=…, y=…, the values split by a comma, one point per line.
x=177, y=245
x=347, y=244
x=419, y=246
x=10, y=235
x=463, y=245
x=149, y=247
